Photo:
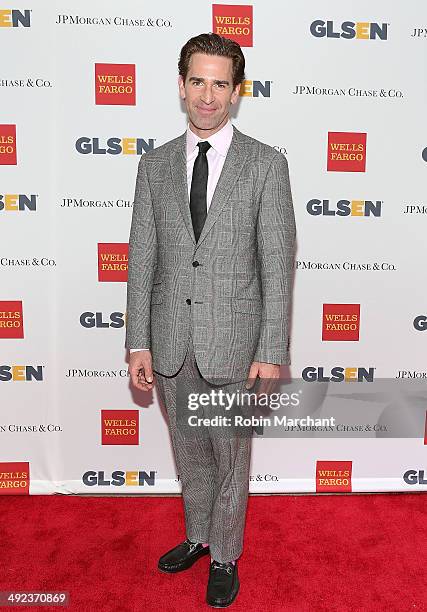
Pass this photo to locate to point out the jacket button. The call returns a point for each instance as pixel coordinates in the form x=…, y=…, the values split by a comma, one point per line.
x=195, y=264
x=188, y=301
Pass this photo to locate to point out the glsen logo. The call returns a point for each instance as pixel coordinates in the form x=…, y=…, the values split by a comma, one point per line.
x=341, y=322
x=338, y=374
x=255, y=89
x=15, y=478
x=420, y=323
x=233, y=21
x=333, y=476
x=12, y=18
x=113, y=261
x=119, y=479
x=345, y=208
x=18, y=201
x=11, y=319
x=363, y=30
x=115, y=146
x=346, y=152
x=413, y=477
x=96, y=319
x=115, y=84
x=120, y=427
x=16, y=373
x=8, y=155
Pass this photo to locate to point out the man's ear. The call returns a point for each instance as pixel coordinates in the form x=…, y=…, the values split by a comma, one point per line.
x=235, y=94
x=181, y=87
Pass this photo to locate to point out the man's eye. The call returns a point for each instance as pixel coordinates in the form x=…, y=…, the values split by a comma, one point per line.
x=221, y=85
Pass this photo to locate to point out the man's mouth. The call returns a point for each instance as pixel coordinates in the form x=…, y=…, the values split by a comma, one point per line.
x=205, y=110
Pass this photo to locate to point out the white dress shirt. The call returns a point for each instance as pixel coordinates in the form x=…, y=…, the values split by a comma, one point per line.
x=220, y=143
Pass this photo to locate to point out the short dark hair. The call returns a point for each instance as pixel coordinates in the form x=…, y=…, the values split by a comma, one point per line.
x=213, y=44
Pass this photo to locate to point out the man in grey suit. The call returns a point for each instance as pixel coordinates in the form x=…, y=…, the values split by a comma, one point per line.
x=210, y=268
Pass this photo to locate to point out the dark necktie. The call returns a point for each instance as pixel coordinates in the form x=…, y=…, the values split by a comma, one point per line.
x=199, y=183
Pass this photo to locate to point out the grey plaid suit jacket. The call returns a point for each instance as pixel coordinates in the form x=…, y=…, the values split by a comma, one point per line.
x=231, y=289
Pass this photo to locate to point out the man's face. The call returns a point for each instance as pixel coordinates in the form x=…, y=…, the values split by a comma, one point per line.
x=208, y=92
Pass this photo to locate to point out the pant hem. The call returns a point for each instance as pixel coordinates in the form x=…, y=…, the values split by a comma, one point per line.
x=221, y=558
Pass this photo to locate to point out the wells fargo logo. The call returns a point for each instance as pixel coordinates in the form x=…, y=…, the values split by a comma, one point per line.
x=15, y=478
x=233, y=21
x=346, y=152
x=21, y=373
x=338, y=374
x=345, y=208
x=115, y=146
x=341, y=322
x=333, y=476
x=8, y=145
x=12, y=18
x=362, y=30
x=18, y=201
x=255, y=89
x=11, y=319
x=120, y=427
x=115, y=84
x=113, y=261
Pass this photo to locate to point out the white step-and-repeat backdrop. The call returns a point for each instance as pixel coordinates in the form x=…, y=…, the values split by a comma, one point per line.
x=85, y=89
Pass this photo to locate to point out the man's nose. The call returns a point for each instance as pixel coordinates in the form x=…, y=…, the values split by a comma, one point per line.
x=207, y=95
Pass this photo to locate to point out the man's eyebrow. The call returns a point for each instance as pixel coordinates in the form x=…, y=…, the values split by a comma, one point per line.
x=216, y=81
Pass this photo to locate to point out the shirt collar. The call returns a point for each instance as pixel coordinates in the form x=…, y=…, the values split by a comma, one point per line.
x=220, y=141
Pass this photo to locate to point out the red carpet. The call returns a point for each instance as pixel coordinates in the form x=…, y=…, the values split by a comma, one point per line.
x=302, y=553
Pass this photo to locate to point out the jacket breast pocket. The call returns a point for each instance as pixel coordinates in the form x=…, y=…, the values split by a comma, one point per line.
x=247, y=305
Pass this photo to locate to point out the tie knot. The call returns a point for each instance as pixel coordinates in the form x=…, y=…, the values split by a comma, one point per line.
x=204, y=147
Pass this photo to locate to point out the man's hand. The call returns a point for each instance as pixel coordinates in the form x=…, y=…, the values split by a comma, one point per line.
x=267, y=371
x=141, y=370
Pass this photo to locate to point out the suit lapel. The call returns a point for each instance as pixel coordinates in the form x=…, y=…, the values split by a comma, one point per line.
x=178, y=162
x=231, y=169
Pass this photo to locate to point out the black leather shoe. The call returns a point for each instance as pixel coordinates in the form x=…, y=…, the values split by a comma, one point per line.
x=223, y=584
x=181, y=557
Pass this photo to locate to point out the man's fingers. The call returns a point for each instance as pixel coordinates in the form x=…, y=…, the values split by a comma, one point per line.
x=134, y=376
x=252, y=376
x=141, y=371
x=145, y=380
x=263, y=386
x=148, y=373
x=272, y=385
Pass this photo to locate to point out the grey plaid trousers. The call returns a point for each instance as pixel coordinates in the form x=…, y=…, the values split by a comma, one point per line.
x=213, y=468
